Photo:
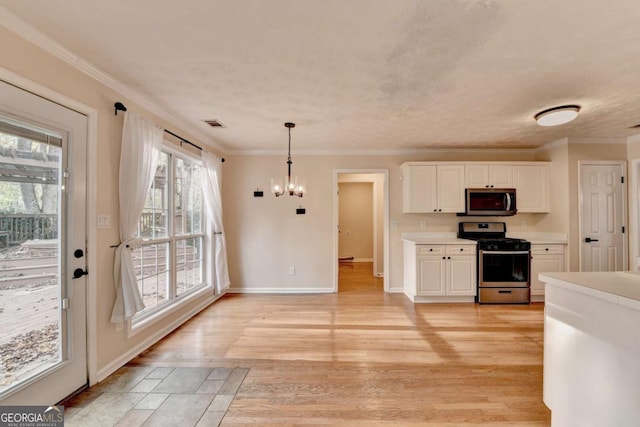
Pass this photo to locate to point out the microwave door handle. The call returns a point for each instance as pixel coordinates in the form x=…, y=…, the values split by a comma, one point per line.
x=508, y=196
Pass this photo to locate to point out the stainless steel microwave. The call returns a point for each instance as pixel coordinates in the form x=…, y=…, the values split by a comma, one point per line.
x=491, y=201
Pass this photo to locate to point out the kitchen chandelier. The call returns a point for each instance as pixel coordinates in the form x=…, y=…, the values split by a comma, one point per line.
x=557, y=115
x=294, y=186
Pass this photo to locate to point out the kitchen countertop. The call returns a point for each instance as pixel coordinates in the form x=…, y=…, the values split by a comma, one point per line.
x=618, y=287
x=592, y=348
x=427, y=238
x=443, y=238
x=541, y=238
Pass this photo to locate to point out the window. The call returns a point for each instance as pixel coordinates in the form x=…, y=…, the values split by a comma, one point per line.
x=169, y=265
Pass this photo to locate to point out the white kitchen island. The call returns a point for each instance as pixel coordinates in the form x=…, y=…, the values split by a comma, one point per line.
x=592, y=348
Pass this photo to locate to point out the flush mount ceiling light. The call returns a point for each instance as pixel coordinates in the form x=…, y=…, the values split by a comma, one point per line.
x=557, y=115
x=293, y=186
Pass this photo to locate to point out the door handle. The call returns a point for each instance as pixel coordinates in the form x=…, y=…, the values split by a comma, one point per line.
x=78, y=273
x=589, y=240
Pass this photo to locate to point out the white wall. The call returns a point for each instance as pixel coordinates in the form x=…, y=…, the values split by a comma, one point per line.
x=356, y=220
x=265, y=237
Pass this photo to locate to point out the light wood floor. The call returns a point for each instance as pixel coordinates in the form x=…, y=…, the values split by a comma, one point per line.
x=363, y=357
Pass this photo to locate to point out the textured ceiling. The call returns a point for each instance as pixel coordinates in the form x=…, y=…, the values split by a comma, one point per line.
x=365, y=74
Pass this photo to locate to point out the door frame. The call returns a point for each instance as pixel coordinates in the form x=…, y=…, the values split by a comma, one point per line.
x=634, y=214
x=625, y=241
x=91, y=207
x=335, y=262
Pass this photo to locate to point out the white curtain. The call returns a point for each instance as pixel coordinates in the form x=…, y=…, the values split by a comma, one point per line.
x=141, y=148
x=218, y=271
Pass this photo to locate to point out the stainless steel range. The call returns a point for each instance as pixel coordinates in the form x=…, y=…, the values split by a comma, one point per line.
x=504, y=264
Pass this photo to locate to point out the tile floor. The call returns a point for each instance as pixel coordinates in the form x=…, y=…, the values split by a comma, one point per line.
x=163, y=396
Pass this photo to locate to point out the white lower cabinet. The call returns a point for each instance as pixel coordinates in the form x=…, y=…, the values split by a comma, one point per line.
x=544, y=259
x=440, y=273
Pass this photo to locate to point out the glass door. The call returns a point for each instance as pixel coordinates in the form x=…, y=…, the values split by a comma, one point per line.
x=42, y=244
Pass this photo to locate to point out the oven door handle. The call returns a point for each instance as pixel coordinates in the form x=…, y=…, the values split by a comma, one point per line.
x=504, y=252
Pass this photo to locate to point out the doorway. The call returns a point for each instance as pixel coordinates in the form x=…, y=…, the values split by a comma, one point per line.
x=361, y=228
x=603, y=245
x=43, y=177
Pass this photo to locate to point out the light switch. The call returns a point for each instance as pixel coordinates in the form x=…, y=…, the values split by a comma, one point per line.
x=104, y=221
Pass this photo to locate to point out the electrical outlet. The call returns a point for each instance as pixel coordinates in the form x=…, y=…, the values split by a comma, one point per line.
x=292, y=271
x=423, y=224
x=394, y=224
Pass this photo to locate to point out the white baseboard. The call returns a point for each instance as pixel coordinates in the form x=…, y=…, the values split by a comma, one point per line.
x=442, y=299
x=537, y=298
x=273, y=290
x=151, y=340
x=357, y=260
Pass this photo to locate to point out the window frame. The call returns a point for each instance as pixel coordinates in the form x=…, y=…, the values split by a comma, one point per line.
x=174, y=302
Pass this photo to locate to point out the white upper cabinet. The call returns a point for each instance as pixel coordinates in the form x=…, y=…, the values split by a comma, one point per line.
x=451, y=188
x=432, y=188
x=419, y=183
x=531, y=182
x=488, y=176
x=438, y=187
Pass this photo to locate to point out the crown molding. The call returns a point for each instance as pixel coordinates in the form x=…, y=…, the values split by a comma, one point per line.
x=634, y=138
x=562, y=142
x=573, y=140
x=397, y=152
x=33, y=35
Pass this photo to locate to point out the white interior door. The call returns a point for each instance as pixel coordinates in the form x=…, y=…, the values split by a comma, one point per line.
x=42, y=243
x=602, y=239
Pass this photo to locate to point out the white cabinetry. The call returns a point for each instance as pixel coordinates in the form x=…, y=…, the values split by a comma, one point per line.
x=438, y=187
x=440, y=273
x=544, y=259
x=531, y=182
x=488, y=176
x=432, y=188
